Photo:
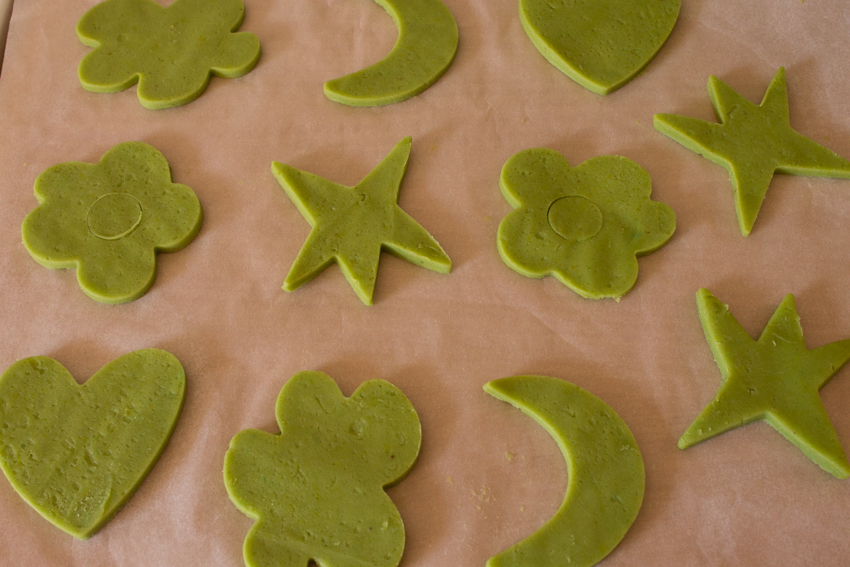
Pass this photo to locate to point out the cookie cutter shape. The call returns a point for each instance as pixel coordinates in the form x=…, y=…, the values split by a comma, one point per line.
x=77, y=452
x=774, y=379
x=170, y=51
x=109, y=219
x=752, y=142
x=600, y=44
x=351, y=225
x=605, y=467
x=316, y=490
x=425, y=48
x=585, y=225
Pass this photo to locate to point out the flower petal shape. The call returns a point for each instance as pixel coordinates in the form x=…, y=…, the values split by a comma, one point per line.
x=316, y=490
x=109, y=219
x=585, y=225
x=77, y=452
x=170, y=51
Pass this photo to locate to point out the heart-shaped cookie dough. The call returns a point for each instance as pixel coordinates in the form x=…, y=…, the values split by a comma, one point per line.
x=600, y=44
x=77, y=452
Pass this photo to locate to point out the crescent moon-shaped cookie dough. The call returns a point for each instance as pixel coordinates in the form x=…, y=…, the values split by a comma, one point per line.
x=600, y=44
x=606, y=474
x=426, y=46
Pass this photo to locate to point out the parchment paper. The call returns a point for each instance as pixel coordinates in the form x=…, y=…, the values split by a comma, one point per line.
x=487, y=475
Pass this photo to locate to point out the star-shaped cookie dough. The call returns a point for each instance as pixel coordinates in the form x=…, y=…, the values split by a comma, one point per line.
x=352, y=224
x=775, y=379
x=752, y=143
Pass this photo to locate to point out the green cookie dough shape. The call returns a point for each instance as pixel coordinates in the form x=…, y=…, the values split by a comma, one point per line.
x=77, y=452
x=774, y=379
x=426, y=46
x=752, y=143
x=600, y=44
x=170, y=51
x=109, y=219
x=585, y=225
x=316, y=490
x=605, y=467
x=352, y=224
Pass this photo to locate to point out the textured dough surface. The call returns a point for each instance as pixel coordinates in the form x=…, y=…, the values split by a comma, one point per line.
x=585, y=225
x=606, y=474
x=426, y=46
x=600, y=44
x=351, y=225
x=170, y=51
x=77, y=452
x=775, y=379
x=109, y=219
x=316, y=490
x=752, y=142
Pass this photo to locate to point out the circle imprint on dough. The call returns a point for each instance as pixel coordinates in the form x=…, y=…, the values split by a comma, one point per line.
x=575, y=218
x=114, y=216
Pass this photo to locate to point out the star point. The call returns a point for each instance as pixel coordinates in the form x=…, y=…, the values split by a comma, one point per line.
x=351, y=225
x=774, y=379
x=752, y=142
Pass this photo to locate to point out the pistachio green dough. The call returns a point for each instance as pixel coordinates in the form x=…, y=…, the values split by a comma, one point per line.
x=316, y=490
x=170, y=51
x=605, y=467
x=585, y=225
x=752, y=143
x=426, y=46
x=600, y=44
x=109, y=219
x=352, y=224
x=775, y=379
x=77, y=452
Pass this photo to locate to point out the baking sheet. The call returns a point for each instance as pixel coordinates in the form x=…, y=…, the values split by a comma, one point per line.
x=5, y=15
x=746, y=498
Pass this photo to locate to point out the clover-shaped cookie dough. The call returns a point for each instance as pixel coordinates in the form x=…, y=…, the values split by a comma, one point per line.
x=316, y=490
x=77, y=452
x=585, y=225
x=170, y=51
x=109, y=219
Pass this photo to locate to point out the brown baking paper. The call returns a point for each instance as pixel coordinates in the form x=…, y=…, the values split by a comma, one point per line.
x=487, y=474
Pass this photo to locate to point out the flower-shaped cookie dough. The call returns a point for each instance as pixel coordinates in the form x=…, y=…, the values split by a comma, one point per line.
x=171, y=51
x=585, y=225
x=316, y=490
x=109, y=219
